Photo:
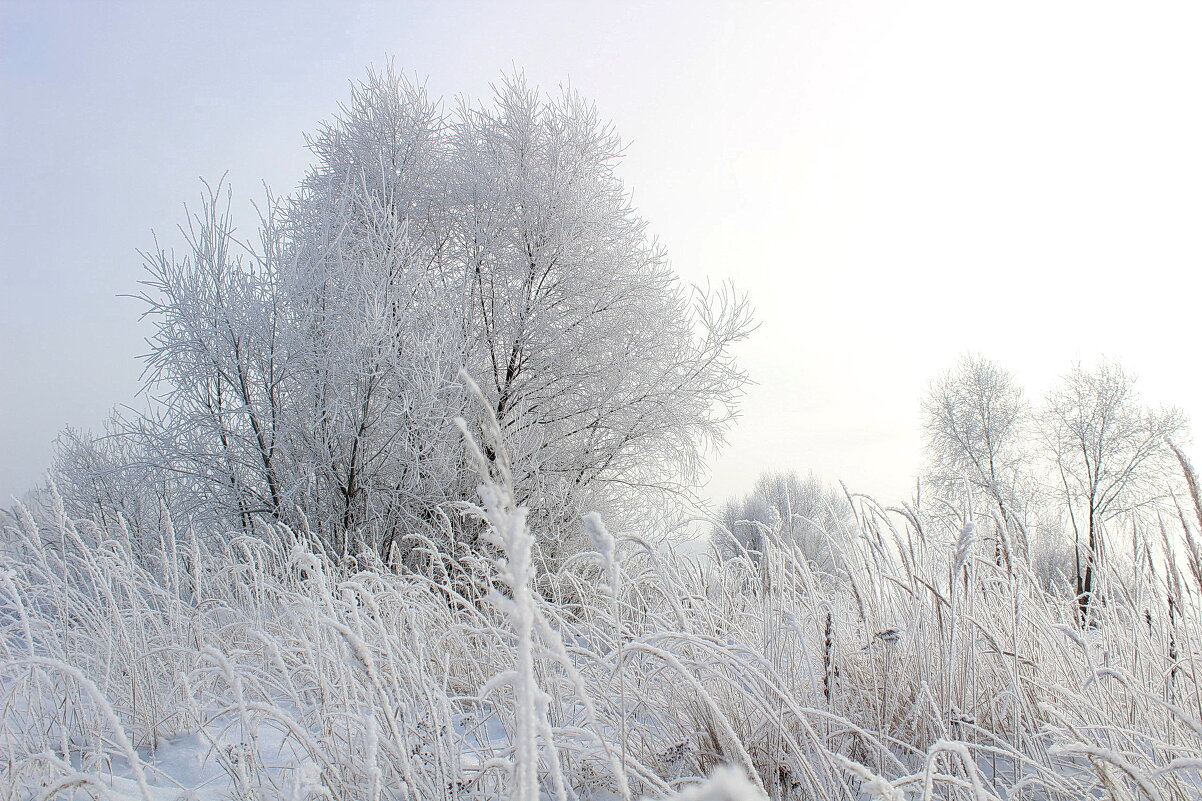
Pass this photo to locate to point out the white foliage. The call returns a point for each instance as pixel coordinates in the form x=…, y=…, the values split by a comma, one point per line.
x=286, y=674
x=311, y=378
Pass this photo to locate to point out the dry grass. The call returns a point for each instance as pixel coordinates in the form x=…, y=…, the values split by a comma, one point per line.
x=927, y=667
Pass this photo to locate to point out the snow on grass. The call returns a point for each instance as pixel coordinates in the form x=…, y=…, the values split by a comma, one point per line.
x=262, y=667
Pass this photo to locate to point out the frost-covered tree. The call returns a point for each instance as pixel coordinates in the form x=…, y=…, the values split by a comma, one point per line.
x=1110, y=454
x=800, y=511
x=107, y=479
x=376, y=354
x=217, y=367
x=975, y=421
x=312, y=377
x=608, y=379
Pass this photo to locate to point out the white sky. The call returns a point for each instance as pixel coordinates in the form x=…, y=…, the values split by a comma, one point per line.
x=893, y=183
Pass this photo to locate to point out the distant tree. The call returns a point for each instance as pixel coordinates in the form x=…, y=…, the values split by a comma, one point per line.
x=106, y=479
x=802, y=511
x=1110, y=456
x=975, y=421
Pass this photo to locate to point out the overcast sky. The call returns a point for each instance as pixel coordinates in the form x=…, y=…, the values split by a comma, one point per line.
x=893, y=183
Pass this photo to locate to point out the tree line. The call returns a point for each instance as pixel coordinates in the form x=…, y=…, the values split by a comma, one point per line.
x=1056, y=485
x=1092, y=459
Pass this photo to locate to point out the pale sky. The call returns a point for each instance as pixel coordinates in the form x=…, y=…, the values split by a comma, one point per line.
x=893, y=184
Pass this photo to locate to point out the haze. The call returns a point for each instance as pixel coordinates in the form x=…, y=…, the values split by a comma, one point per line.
x=892, y=184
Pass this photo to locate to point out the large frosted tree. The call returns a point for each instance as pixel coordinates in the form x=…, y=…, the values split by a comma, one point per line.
x=313, y=376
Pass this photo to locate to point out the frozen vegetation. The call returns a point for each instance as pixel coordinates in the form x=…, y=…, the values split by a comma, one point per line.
x=258, y=666
x=394, y=525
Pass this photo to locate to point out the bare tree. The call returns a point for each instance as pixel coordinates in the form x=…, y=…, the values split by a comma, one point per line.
x=1110, y=455
x=975, y=420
